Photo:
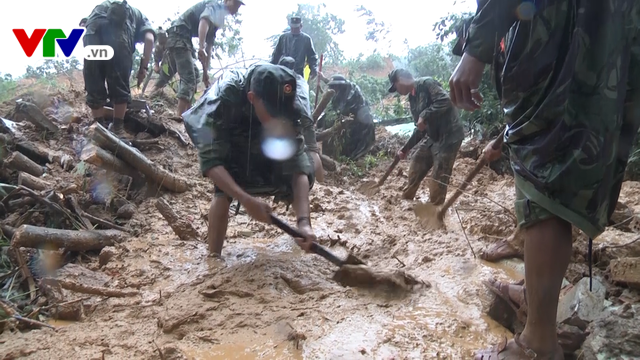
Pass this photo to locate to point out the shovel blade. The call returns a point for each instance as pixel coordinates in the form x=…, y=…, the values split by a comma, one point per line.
x=353, y=260
x=369, y=188
x=429, y=215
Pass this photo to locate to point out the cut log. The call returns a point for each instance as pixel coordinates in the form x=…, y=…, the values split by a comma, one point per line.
x=17, y=161
x=35, y=116
x=328, y=163
x=181, y=227
x=99, y=157
x=33, y=182
x=38, y=237
x=133, y=157
x=7, y=231
x=324, y=101
x=34, y=152
x=626, y=271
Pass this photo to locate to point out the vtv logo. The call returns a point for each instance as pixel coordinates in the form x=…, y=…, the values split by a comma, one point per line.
x=49, y=38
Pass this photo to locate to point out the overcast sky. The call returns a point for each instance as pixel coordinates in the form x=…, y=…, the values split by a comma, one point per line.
x=412, y=20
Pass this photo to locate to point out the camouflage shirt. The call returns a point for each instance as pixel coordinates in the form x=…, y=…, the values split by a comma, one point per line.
x=431, y=102
x=227, y=132
x=570, y=93
x=136, y=25
x=348, y=99
x=187, y=24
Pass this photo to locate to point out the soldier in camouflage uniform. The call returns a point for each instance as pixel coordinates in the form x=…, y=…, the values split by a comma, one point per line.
x=228, y=126
x=163, y=66
x=438, y=133
x=180, y=53
x=571, y=96
x=308, y=128
x=120, y=26
x=360, y=134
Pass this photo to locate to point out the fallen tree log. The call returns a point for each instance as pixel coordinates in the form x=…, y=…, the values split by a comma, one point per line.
x=99, y=157
x=17, y=161
x=35, y=116
x=92, y=290
x=39, y=237
x=33, y=182
x=182, y=228
x=133, y=157
x=34, y=152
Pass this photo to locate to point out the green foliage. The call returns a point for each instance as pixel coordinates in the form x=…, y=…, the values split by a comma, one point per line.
x=372, y=62
x=7, y=87
x=321, y=26
x=52, y=68
x=361, y=167
x=228, y=40
x=433, y=60
x=376, y=30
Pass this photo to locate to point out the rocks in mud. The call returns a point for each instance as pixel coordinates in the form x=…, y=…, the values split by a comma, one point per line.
x=171, y=352
x=579, y=303
x=126, y=211
x=614, y=336
x=626, y=271
x=106, y=255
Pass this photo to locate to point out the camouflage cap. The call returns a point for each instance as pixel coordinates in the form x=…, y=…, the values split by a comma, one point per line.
x=295, y=22
x=396, y=74
x=276, y=86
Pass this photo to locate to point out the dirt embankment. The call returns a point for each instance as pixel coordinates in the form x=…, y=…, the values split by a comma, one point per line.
x=268, y=299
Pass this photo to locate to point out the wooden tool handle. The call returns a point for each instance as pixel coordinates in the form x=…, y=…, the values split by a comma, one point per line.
x=497, y=144
x=393, y=165
x=315, y=247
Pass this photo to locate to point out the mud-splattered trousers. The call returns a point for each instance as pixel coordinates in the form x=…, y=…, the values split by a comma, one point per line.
x=430, y=156
x=571, y=94
x=179, y=58
x=438, y=145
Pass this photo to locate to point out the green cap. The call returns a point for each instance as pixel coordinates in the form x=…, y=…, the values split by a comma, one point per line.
x=396, y=74
x=276, y=86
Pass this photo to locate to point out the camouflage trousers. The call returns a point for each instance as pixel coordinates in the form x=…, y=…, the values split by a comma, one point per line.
x=179, y=59
x=439, y=157
x=170, y=67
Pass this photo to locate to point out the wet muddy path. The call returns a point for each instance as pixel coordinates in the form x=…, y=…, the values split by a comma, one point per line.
x=269, y=300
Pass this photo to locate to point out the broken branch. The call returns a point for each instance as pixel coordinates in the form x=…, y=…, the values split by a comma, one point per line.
x=33, y=182
x=72, y=240
x=17, y=161
x=182, y=228
x=92, y=290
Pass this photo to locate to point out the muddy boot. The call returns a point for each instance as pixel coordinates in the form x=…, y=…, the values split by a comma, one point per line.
x=117, y=128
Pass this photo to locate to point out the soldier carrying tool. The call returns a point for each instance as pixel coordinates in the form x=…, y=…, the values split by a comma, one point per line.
x=438, y=133
x=231, y=126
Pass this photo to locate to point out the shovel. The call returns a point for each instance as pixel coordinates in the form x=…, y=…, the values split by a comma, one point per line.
x=432, y=217
x=315, y=247
x=371, y=187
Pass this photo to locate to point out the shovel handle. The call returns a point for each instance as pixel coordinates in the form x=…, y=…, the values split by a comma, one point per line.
x=315, y=247
x=497, y=144
x=384, y=177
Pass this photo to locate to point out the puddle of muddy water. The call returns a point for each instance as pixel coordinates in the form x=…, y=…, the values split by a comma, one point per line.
x=266, y=351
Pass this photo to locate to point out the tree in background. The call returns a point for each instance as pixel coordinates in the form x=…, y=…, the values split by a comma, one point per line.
x=321, y=26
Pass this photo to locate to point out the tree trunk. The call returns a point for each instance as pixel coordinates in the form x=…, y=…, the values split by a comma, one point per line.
x=17, y=161
x=99, y=157
x=133, y=157
x=52, y=239
x=33, y=182
x=34, y=153
x=182, y=228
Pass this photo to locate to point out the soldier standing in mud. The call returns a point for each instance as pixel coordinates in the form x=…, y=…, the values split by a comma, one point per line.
x=162, y=64
x=360, y=133
x=201, y=21
x=299, y=46
x=571, y=96
x=120, y=26
x=438, y=133
x=308, y=128
x=228, y=124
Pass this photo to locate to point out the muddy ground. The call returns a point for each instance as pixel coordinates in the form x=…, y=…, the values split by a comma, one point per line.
x=268, y=299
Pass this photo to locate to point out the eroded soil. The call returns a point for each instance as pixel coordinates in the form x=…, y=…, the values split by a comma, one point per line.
x=268, y=299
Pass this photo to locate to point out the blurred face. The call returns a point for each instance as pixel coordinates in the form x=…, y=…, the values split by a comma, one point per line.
x=404, y=86
x=259, y=108
x=233, y=6
x=296, y=30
